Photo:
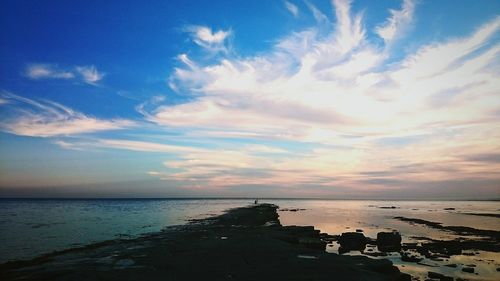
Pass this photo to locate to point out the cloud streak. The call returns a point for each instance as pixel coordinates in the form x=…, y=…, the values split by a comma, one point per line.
x=44, y=118
x=87, y=74
x=292, y=8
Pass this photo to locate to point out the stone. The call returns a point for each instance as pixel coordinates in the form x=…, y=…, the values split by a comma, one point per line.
x=468, y=269
x=352, y=241
x=389, y=241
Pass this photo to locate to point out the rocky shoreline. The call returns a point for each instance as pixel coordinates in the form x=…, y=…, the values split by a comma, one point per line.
x=247, y=243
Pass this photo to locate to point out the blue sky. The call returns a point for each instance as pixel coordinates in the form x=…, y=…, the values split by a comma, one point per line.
x=337, y=99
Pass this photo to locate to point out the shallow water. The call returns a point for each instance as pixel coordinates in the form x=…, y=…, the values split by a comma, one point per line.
x=336, y=217
x=29, y=228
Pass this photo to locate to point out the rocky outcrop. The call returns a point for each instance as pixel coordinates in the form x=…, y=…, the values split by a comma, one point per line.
x=389, y=241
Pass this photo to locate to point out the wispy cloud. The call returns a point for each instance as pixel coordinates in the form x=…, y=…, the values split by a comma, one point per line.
x=211, y=40
x=292, y=8
x=87, y=74
x=44, y=118
x=47, y=71
x=397, y=23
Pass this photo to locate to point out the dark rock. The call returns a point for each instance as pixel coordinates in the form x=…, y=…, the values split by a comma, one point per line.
x=468, y=269
x=313, y=243
x=351, y=241
x=291, y=210
x=449, y=209
x=359, y=230
x=409, y=258
x=439, y=276
x=404, y=277
x=389, y=241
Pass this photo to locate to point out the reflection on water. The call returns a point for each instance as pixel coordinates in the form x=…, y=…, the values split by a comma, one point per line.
x=336, y=217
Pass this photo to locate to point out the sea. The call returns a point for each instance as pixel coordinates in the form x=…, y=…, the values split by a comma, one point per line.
x=33, y=227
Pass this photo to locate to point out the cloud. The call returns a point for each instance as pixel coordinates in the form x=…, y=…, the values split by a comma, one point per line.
x=44, y=118
x=47, y=71
x=205, y=37
x=337, y=92
x=292, y=8
x=87, y=74
x=318, y=15
x=397, y=22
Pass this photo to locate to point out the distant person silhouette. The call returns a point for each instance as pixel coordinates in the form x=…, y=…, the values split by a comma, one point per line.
x=256, y=201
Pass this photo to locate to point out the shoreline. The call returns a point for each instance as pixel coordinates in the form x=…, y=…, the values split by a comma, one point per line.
x=246, y=243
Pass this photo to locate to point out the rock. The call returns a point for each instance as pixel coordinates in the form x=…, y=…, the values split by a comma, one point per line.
x=468, y=269
x=449, y=209
x=404, y=277
x=350, y=241
x=389, y=241
x=409, y=258
x=359, y=230
x=313, y=243
x=441, y=277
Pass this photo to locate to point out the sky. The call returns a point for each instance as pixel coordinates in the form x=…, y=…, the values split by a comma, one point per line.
x=318, y=99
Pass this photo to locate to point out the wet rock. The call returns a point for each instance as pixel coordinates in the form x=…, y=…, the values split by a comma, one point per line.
x=389, y=241
x=375, y=254
x=404, y=277
x=292, y=210
x=439, y=276
x=313, y=243
x=409, y=258
x=468, y=269
x=352, y=241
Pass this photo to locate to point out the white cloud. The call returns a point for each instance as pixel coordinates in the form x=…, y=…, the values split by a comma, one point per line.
x=337, y=90
x=48, y=119
x=88, y=74
x=397, y=22
x=292, y=8
x=47, y=71
x=318, y=15
x=207, y=38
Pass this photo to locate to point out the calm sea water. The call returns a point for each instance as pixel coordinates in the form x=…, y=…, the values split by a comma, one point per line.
x=29, y=228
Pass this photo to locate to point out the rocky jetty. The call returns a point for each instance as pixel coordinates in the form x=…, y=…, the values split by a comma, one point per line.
x=246, y=243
